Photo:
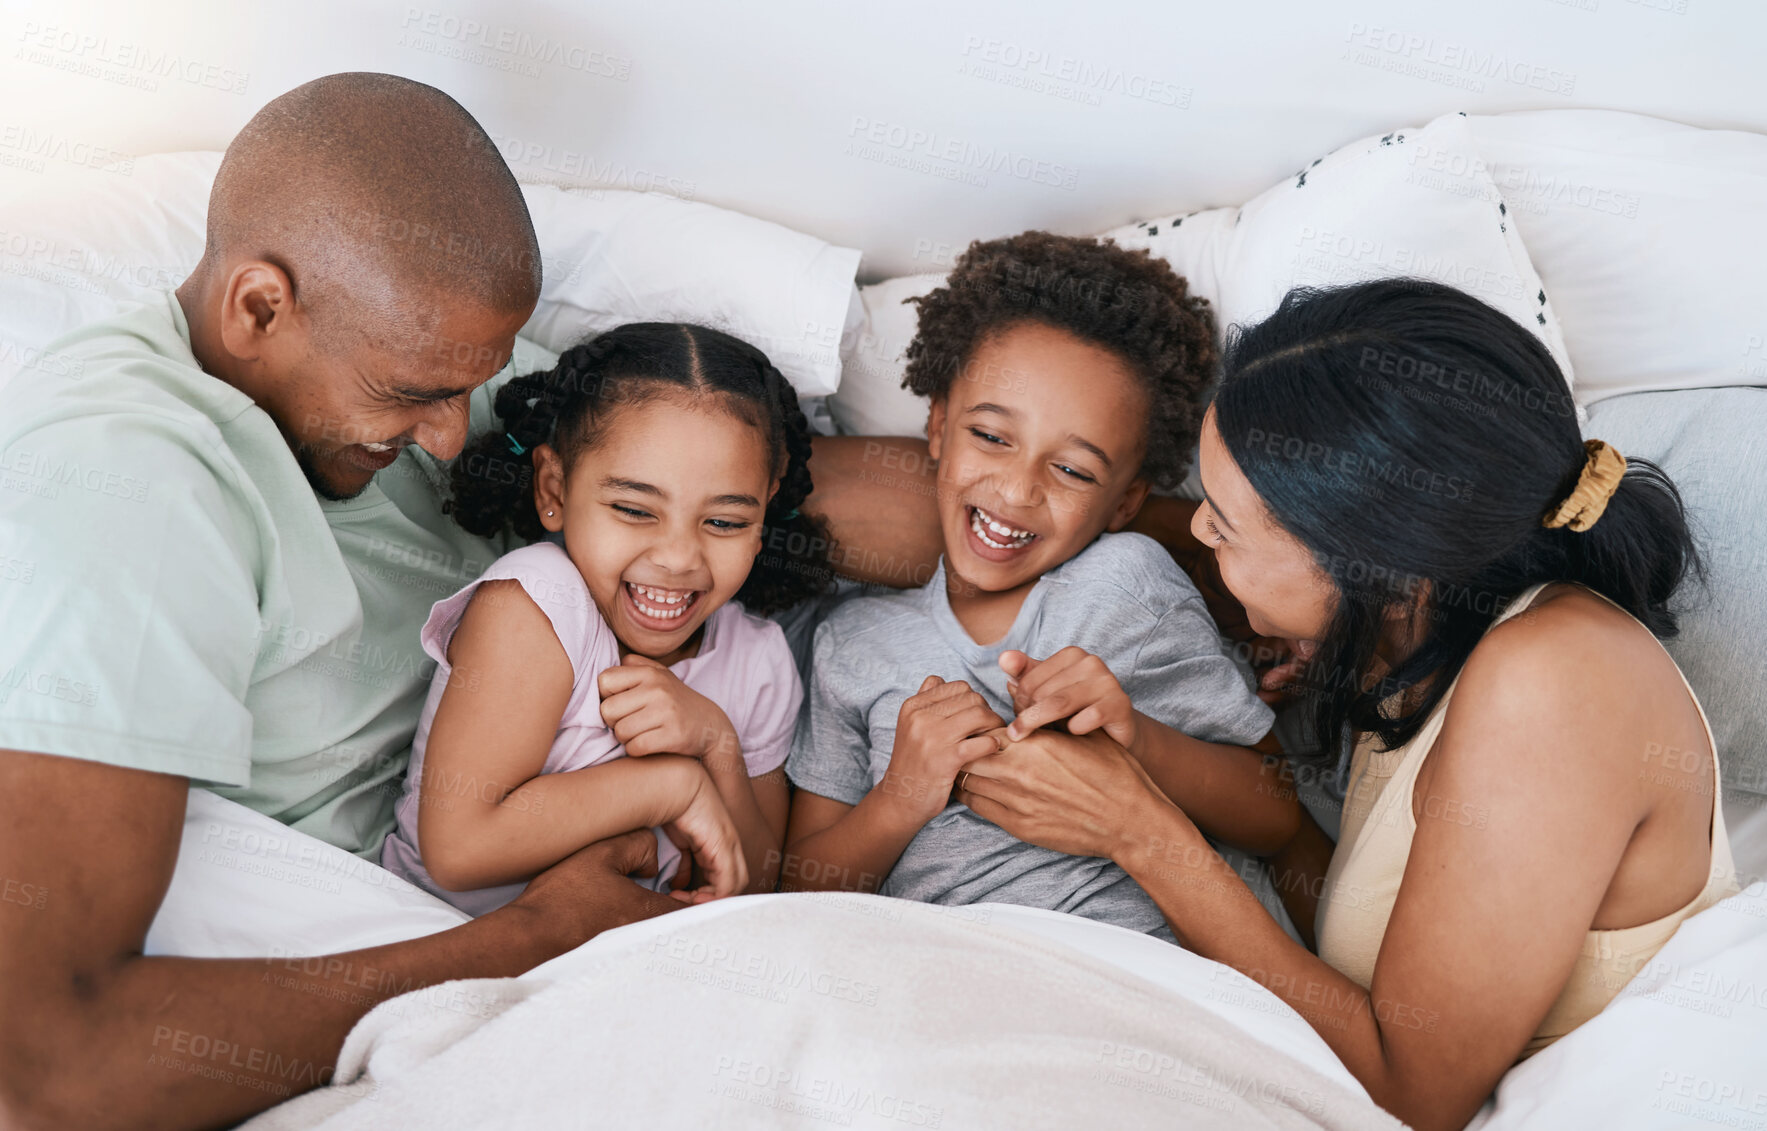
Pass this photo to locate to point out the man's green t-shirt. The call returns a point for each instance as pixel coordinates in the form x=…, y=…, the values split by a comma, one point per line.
x=175, y=597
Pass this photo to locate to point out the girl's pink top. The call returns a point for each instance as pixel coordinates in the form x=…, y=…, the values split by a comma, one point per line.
x=744, y=666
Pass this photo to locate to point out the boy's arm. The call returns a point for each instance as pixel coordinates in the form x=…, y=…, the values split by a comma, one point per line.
x=116, y=1039
x=877, y=494
x=832, y=846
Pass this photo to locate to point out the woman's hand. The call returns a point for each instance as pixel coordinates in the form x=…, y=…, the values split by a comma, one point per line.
x=1073, y=684
x=652, y=712
x=1083, y=795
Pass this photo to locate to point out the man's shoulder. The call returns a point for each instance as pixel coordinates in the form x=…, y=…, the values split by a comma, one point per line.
x=132, y=368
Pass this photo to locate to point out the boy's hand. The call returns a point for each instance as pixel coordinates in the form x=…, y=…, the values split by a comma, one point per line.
x=939, y=729
x=652, y=712
x=1074, y=685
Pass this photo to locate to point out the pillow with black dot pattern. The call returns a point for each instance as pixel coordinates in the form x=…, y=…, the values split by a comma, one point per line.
x=1409, y=202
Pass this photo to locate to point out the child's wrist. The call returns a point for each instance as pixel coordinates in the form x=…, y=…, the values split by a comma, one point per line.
x=911, y=799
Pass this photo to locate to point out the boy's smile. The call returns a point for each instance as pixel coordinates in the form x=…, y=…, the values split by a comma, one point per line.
x=1034, y=462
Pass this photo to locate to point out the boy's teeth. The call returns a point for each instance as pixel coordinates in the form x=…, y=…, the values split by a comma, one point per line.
x=984, y=525
x=378, y=447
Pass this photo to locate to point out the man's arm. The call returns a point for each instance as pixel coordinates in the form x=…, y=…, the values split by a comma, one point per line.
x=878, y=494
x=119, y=1039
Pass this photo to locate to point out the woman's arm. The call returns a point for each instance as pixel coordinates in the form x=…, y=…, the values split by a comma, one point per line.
x=1233, y=793
x=488, y=815
x=1513, y=853
x=877, y=495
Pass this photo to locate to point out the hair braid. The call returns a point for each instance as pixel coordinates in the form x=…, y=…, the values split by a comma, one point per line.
x=793, y=562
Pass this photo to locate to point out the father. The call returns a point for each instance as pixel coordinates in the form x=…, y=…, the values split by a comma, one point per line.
x=235, y=525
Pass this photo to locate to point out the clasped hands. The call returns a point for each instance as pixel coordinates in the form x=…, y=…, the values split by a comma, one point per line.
x=1066, y=791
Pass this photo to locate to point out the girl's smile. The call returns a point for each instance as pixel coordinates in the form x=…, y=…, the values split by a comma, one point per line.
x=661, y=541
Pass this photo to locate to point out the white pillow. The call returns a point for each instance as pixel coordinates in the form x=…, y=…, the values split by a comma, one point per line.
x=248, y=886
x=1650, y=237
x=612, y=257
x=871, y=400
x=1411, y=202
x=75, y=245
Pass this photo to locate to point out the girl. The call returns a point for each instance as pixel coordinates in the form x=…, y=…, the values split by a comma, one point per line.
x=668, y=457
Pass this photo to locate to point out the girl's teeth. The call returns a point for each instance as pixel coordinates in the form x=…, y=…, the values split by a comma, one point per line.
x=660, y=603
x=983, y=525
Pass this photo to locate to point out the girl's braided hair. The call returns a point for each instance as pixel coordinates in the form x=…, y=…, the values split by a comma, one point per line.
x=568, y=405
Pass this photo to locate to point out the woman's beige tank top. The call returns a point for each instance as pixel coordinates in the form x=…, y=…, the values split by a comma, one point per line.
x=1362, y=883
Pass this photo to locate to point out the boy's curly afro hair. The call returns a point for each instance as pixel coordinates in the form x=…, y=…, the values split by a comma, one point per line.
x=1126, y=301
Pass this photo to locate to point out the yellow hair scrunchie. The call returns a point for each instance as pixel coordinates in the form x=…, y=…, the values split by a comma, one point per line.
x=1587, y=501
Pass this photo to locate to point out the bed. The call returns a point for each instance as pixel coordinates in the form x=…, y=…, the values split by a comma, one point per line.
x=791, y=174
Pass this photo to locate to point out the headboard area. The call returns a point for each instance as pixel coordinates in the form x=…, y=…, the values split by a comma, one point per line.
x=904, y=129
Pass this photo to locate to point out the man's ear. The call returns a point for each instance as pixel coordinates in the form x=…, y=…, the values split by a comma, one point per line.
x=548, y=487
x=1129, y=506
x=257, y=307
x=935, y=426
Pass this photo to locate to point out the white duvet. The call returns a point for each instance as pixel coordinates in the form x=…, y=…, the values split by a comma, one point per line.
x=806, y=1010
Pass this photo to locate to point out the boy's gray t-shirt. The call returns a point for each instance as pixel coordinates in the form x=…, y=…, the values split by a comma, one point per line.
x=1122, y=599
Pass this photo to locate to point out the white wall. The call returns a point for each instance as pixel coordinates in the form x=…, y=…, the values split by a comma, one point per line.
x=807, y=111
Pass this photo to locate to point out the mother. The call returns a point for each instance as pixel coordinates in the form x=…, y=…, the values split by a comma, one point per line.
x=1393, y=476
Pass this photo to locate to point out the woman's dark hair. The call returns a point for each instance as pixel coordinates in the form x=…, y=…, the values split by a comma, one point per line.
x=568, y=405
x=1413, y=438
x=1125, y=301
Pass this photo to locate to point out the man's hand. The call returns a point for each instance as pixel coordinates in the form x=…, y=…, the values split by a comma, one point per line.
x=1074, y=685
x=652, y=712
x=939, y=729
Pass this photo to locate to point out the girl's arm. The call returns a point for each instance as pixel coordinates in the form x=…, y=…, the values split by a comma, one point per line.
x=758, y=808
x=488, y=815
x=653, y=712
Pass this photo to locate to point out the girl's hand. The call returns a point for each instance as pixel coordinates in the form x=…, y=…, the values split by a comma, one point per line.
x=1083, y=795
x=1074, y=685
x=712, y=843
x=652, y=712
x=936, y=733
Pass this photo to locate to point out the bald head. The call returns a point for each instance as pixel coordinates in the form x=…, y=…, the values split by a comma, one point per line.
x=383, y=200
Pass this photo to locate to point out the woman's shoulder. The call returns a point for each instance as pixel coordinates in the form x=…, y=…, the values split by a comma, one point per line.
x=1574, y=669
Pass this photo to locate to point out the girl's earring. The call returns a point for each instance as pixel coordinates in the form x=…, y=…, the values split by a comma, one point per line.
x=548, y=514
